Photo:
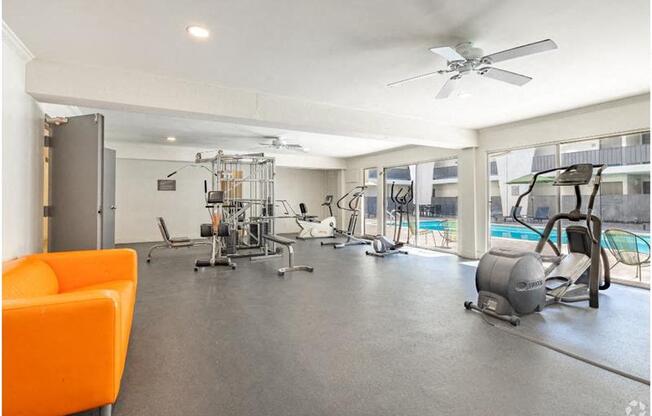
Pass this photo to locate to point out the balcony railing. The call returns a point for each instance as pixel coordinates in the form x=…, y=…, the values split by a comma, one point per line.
x=543, y=162
x=611, y=156
x=444, y=172
x=398, y=174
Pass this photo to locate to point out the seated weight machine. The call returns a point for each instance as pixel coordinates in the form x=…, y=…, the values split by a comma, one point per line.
x=240, y=201
x=215, y=231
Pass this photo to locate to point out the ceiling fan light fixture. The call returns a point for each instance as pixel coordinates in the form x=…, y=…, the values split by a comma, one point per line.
x=198, y=32
x=465, y=59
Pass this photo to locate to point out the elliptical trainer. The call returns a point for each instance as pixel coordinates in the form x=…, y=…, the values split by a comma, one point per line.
x=351, y=206
x=512, y=283
x=382, y=245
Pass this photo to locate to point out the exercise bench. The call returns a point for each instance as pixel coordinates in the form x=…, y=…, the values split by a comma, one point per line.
x=171, y=242
x=287, y=243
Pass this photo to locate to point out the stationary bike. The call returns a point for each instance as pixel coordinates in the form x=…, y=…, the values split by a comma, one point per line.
x=382, y=245
x=310, y=228
x=512, y=283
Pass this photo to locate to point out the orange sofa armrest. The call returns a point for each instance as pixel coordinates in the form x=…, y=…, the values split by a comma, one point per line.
x=76, y=269
x=60, y=353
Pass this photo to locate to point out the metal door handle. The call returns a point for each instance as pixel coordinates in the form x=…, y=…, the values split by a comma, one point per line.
x=113, y=207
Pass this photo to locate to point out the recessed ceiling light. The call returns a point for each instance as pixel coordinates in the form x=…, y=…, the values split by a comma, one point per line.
x=171, y=139
x=198, y=32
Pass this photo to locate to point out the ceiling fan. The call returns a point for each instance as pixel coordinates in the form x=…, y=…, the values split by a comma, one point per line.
x=278, y=143
x=465, y=59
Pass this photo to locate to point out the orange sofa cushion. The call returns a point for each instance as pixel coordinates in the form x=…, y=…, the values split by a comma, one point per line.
x=27, y=278
x=66, y=320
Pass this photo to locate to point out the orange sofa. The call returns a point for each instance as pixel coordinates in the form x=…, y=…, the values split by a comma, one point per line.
x=66, y=319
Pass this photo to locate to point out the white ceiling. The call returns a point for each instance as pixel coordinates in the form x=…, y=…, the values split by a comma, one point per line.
x=343, y=52
x=122, y=126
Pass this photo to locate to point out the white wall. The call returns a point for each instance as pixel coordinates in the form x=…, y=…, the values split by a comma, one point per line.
x=22, y=168
x=139, y=202
x=309, y=186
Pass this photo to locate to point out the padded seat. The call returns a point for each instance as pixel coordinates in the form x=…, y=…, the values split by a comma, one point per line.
x=172, y=242
x=287, y=243
x=278, y=239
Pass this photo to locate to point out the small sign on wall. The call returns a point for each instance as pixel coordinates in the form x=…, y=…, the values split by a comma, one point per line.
x=167, y=185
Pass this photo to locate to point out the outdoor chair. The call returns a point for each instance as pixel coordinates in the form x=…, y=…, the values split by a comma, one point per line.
x=628, y=248
x=542, y=214
x=511, y=213
x=448, y=232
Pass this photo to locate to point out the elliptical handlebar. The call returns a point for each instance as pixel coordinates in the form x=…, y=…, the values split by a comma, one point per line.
x=401, y=198
x=409, y=195
x=356, y=196
x=533, y=181
x=589, y=208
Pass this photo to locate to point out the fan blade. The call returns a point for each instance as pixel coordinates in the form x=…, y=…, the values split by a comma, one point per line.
x=505, y=76
x=448, y=87
x=403, y=81
x=517, y=52
x=294, y=146
x=449, y=53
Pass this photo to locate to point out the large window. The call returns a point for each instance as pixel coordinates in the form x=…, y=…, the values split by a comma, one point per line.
x=436, y=196
x=369, y=222
x=509, y=176
x=432, y=210
x=623, y=203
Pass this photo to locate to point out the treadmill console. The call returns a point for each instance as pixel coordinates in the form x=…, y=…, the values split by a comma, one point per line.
x=573, y=175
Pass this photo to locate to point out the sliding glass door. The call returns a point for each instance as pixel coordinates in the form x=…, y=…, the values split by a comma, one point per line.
x=509, y=176
x=623, y=203
x=369, y=208
x=436, y=193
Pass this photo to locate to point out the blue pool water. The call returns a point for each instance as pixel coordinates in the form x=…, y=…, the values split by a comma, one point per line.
x=517, y=232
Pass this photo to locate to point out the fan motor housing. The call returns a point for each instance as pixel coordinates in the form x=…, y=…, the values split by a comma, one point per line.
x=467, y=50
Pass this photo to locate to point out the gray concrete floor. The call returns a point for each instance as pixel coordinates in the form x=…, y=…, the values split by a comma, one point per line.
x=365, y=336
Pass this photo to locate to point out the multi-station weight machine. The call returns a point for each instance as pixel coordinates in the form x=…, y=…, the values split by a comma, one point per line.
x=241, y=206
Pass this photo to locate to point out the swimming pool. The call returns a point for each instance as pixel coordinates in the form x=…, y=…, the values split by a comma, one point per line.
x=518, y=232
